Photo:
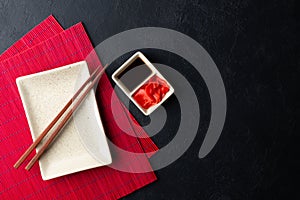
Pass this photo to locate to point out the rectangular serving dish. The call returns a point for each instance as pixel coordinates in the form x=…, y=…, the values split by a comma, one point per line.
x=82, y=143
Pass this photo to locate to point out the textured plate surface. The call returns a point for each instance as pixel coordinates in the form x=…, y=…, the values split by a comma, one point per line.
x=82, y=143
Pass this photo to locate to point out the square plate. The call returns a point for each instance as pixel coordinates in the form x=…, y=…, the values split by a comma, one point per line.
x=82, y=143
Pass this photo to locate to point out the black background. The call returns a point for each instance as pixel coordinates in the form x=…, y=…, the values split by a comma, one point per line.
x=255, y=45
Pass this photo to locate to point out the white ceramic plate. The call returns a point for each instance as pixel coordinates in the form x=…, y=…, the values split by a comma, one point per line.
x=82, y=143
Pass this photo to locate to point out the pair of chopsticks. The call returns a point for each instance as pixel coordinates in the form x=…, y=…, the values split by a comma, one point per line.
x=90, y=82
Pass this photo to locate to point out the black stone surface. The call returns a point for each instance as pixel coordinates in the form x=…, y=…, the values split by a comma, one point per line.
x=256, y=46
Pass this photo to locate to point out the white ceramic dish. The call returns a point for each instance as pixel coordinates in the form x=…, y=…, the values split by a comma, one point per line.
x=153, y=72
x=82, y=143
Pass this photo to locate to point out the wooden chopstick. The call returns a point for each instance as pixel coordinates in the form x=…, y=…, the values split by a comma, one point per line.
x=65, y=120
x=94, y=78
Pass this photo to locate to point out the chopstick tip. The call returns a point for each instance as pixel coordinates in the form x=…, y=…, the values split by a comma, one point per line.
x=16, y=166
x=18, y=163
x=28, y=167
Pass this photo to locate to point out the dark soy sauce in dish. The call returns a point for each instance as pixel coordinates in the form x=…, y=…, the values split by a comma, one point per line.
x=134, y=74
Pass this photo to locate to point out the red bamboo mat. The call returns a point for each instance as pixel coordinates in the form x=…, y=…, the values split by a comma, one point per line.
x=46, y=29
x=39, y=54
